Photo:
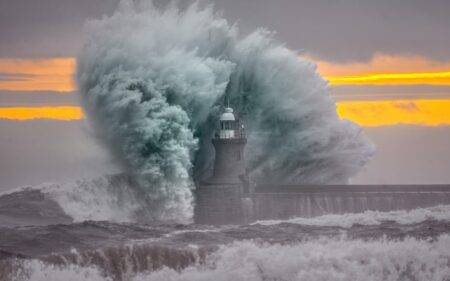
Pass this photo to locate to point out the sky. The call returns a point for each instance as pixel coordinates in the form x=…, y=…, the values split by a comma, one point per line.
x=387, y=63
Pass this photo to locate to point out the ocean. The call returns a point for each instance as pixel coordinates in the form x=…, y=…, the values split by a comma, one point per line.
x=64, y=232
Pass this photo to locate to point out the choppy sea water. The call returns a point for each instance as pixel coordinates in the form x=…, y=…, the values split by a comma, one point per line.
x=65, y=232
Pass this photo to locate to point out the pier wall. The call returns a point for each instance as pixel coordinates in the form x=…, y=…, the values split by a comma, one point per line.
x=272, y=202
x=228, y=204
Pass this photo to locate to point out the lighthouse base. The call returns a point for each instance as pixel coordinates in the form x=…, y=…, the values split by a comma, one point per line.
x=219, y=204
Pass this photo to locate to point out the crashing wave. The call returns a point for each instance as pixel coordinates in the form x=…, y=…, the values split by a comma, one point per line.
x=108, y=198
x=321, y=259
x=153, y=81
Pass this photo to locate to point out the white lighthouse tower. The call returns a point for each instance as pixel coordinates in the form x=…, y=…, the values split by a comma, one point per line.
x=229, y=143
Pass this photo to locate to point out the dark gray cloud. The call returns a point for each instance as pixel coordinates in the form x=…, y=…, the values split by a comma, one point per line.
x=15, y=76
x=334, y=29
x=40, y=151
x=408, y=155
x=66, y=152
x=46, y=28
x=352, y=29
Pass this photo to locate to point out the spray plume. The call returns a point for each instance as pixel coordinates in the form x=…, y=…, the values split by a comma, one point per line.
x=153, y=82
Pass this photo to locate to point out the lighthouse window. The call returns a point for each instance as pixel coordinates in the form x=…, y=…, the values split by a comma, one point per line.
x=226, y=125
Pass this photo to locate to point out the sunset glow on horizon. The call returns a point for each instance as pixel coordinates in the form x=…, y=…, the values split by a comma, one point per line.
x=57, y=74
x=365, y=113
x=394, y=112
x=386, y=70
x=428, y=78
x=62, y=113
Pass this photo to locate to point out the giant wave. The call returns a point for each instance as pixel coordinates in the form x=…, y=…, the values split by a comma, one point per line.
x=153, y=81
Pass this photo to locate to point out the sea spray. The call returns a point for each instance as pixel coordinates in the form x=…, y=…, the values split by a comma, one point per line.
x=323, y=259
x=153, y=81
x=370, y=217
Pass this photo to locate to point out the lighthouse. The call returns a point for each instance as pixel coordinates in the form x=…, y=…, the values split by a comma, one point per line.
x=229, y=142
x=219, y=197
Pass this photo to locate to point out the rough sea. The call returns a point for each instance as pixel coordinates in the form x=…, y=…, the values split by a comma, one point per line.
x=69, y=232
x=152, y=83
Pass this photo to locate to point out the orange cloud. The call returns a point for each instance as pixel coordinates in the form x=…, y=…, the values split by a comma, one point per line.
x=54, y=74
x=390, y=112
x=429, y=78
x=64, y=113
x=386, y=70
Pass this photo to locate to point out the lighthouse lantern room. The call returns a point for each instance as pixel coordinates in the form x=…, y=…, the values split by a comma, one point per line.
x=227, y=124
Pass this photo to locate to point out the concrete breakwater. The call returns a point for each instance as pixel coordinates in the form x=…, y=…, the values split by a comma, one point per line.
x=231, y=204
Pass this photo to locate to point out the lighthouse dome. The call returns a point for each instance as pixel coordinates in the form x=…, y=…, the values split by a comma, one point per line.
x=227, y=115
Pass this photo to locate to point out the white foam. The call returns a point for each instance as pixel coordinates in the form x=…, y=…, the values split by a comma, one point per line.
x=323, y=260
x=441, y=213
x=35, y=270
